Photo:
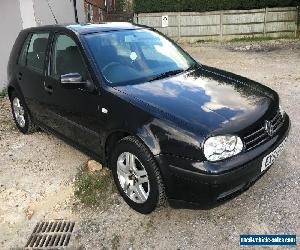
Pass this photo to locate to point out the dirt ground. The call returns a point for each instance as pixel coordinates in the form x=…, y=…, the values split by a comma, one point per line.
x=37, y=173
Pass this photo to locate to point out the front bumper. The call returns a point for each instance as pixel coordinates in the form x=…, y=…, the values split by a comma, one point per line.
x=207, y=184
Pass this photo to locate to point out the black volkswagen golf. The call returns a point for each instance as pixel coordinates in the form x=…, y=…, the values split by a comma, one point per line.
x=168, y=127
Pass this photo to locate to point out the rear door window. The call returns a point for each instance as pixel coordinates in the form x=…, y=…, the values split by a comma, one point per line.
x=36, y=52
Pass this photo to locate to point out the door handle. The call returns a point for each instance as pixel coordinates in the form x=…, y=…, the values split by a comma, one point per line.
x=20, y=75
x=48, y=88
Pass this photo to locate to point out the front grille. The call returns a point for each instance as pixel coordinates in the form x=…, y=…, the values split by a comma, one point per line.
x=54, y=234
x=260, y=135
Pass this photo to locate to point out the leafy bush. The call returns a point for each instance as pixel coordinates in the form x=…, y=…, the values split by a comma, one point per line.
x=144, y=6
x=3, y=92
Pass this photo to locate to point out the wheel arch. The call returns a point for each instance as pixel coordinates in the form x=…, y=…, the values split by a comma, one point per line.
x=111, y=140
x=10, y=90
x=113, y=137
x=14, y=87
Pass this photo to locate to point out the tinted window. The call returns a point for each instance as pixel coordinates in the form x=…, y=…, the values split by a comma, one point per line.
x=37, y=51
x=134, y=56
x=23, y=53
x=66, y=58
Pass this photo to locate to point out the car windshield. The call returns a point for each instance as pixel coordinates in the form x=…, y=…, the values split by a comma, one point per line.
x=135, y=56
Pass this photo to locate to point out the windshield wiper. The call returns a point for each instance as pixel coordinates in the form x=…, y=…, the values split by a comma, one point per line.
x=166, y=74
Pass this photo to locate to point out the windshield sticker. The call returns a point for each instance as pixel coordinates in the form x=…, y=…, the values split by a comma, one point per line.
x=133, y=56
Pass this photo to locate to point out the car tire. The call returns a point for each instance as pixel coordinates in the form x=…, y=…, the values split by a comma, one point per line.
x=21, y=115
x=137, y=175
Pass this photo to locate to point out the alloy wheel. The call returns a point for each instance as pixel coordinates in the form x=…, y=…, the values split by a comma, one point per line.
x=133, y=177
x=19, y=112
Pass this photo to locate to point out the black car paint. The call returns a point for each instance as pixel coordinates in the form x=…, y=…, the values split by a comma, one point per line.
x=171, y=116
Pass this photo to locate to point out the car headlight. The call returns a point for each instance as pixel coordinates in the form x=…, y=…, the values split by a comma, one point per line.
x=221, y=147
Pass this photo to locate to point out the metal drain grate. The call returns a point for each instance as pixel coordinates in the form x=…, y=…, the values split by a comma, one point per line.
x=53, y=234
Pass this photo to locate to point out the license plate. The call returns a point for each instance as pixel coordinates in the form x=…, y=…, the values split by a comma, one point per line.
x=270, y=158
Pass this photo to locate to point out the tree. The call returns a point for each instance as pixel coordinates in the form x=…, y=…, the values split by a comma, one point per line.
x=120, y=5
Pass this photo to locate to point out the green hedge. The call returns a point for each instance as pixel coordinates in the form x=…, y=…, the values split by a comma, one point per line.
x=146, y=6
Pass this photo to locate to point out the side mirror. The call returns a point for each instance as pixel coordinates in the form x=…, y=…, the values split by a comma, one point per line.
x=74, y=81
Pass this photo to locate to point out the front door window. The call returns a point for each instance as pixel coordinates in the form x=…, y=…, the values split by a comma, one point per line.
x=66, y=58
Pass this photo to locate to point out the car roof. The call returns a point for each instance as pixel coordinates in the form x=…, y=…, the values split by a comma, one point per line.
x=87, y=28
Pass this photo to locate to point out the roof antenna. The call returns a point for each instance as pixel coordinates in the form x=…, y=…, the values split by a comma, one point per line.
x=51, y=11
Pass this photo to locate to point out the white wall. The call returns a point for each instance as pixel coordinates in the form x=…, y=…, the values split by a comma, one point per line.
x=81, y=12
x=10, y=26
x=62, y=9
x=27, y=13
x=20, y=14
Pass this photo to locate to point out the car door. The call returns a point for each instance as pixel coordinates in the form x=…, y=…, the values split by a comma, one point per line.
x=31, y=72
x=74, y=112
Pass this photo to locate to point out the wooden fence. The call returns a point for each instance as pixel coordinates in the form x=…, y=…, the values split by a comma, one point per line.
x=222, y=25
x=118, y=17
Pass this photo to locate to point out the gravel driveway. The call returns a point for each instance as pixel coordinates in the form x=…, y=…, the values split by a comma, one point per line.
x=37, y=172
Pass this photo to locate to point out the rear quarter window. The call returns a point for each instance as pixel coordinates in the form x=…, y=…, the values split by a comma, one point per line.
x=23, y=52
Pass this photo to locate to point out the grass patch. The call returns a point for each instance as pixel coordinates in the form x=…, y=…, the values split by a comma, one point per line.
x=94, y=188
x=252, y=39
x=206, y=41
x=115, y=242
x=3, y=93
x=149, y=226
x=257, y=39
